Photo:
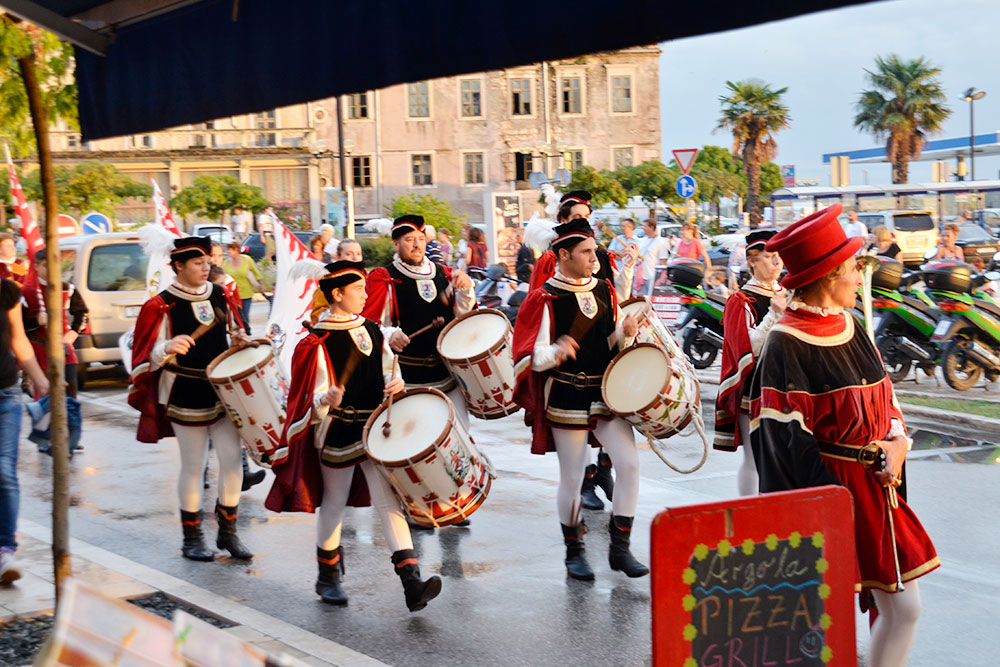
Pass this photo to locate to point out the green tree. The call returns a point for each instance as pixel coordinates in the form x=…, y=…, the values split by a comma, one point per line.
x=602, y=185
x=211, y=196
x=905, y=104
x=434, y=211
x=53, y=65
x=650, y=180
x=753, y=112
x=717, y=173
x=770, y=180
x=88, y=186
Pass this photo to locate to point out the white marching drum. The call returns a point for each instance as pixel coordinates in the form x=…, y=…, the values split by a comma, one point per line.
x=254, y=391
x=428, y=458
x=477, y=349
x=651, y=328
x=655, y=393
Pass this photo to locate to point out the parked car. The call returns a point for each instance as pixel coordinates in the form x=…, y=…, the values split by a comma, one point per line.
x=988, y=219
x=109, y=270
x=974, y=240
x=218, y=233
x=913, y=231
x=254, y=245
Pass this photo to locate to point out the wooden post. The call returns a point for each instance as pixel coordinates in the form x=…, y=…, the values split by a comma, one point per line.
x=55, y=348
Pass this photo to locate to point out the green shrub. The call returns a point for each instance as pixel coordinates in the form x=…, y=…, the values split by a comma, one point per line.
x=377, y=251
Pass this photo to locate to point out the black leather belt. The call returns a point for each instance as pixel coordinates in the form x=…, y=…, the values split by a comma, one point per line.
x=867, y=455
x=350, y=415
x=578, y=380
x=185, y=372
x=419, y=361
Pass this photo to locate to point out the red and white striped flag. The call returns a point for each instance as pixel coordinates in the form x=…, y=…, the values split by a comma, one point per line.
x=162, y=214
x=29, y=230
x=292, y=296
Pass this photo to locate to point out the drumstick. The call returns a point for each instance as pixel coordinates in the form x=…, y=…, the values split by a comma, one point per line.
x=198, y=333
x=387, y=427
x=436, y=323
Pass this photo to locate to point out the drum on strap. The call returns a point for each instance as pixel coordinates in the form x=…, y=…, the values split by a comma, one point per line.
x=658, y=395
x=651, y=327
x=254, y=391
x=429, y=460
x=477, y=349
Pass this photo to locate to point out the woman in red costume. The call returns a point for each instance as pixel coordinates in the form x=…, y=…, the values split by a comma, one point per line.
x=823, y=411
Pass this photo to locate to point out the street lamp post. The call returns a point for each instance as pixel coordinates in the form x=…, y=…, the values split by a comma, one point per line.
x=971, y=95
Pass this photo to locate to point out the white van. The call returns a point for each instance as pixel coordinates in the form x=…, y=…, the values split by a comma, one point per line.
x=914, y=231
x=109, y=271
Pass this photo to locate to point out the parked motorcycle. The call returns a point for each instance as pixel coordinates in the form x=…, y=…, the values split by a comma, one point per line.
x=702, y=341
x=904, y=320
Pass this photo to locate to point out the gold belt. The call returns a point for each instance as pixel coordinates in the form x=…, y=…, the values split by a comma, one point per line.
x=578, y=380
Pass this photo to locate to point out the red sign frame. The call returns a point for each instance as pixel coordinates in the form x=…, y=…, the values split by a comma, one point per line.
x=815, y=518
x=685, y=158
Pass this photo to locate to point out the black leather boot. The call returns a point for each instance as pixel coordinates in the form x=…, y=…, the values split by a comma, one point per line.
x=251, y=478
x=194, y=546
x=331, y=566
x=590, y=499
x=228, y=539
x=577, y=566
x=418, y=592
x=604, y=478
x=620, y=557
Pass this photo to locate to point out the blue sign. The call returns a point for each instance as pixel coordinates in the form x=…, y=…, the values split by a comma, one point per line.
x=686, y=186
x=95, y=223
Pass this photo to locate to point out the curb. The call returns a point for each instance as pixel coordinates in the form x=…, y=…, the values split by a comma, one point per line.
x=960, y=419
x=292, y=636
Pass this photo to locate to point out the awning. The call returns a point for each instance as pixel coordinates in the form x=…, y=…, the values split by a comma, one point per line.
x=154, y=64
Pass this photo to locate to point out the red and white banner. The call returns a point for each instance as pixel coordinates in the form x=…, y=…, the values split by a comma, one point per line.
x=162, y=214
x=29, y=230
x=292, y=296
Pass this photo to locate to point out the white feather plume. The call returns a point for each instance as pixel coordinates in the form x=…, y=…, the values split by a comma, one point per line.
x=155, y=239
x=307, y=268
x=379, y=226
x=539, y=233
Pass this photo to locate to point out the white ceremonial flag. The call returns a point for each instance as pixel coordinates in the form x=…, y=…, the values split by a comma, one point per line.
x=292, y=296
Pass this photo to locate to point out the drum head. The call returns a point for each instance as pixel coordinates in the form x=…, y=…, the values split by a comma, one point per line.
x=635, y=307
x=473, y=335
x=418, y=420
x=239, y=361
x=636, y=378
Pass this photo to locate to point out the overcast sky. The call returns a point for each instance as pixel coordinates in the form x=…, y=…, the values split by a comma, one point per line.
x=821, y=58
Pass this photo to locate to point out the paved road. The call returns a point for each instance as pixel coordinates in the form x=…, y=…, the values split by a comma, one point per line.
x=506, y=600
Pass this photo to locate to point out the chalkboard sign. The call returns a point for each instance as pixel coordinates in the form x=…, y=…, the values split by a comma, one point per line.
x=765, y=581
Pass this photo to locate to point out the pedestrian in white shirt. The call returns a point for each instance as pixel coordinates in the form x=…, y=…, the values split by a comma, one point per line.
x=330, y=243
x=265, y=221
x=653, y=249
x=241, y=223
x=854, y=227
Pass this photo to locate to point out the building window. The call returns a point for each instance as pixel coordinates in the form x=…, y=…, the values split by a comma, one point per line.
x=266, y=120
x=362, y=170
x=473, y=163
x=471, y=96
x=623, y=157
x=520, y=92
x=621, y=94
x=523, y=166
x=421, y=169
x=419, y=99
x=73, y=141
x=572, y=98
x=357, y=106
x=573, y=159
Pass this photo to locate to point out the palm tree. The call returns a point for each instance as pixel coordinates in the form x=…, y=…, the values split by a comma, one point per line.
x=905, y=105
x=754, y=112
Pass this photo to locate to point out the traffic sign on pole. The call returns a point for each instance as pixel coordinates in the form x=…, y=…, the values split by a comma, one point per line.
x=686, y=186
x=67, y=225
x=95, y=223
x=685, y=158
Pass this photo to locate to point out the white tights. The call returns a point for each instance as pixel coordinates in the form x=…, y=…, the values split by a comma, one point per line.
x=574, y=454
x=336, y=489
x=746, y=473
x=896, y=626
x=193, y=444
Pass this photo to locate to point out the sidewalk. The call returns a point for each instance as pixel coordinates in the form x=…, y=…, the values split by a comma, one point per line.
x=118, y=577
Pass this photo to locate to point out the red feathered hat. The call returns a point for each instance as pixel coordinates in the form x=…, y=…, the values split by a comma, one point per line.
x=813, y=246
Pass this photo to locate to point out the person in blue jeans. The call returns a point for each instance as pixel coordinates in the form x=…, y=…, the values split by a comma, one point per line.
x=13, y=344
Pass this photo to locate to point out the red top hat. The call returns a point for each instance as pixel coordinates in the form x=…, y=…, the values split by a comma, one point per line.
x=813, y=246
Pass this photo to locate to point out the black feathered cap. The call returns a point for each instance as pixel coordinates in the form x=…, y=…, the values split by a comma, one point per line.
x=341, y=274
x=758, y=238
x=405, y=224
x=190, y=247
x=577, y=197
x=571, y=233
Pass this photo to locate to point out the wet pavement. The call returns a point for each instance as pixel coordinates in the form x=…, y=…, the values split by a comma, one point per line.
x=506, y=599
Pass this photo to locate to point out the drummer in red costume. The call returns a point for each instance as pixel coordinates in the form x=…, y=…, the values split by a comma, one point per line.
x=173, y=396
x=341, y=372
x=410, y=294
x=566, y=335
x=823, y=411
x=749, y=315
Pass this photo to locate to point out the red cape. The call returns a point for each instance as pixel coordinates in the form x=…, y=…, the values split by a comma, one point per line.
x=143, y=393
x=232, y=295
x=298, y=480
x=737, y=367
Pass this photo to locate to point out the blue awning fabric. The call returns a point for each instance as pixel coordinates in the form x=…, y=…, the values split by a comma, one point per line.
x=197, y=63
